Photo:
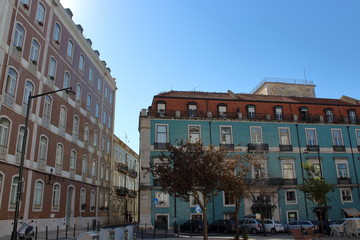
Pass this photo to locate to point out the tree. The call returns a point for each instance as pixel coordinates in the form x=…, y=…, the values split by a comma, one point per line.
x=316, y=188
x=234, y=182
x=190, y=169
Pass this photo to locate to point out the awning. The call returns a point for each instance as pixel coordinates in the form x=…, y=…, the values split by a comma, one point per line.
x=351, y=212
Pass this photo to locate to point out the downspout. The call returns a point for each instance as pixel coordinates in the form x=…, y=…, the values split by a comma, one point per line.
x=213, y=201
x=353, y=159
x=302, y=168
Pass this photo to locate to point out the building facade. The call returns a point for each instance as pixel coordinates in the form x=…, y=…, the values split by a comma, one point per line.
x=66, y=178
x=124, y=183
x=282, y=131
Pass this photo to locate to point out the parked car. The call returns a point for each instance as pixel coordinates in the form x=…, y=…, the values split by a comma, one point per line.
x=192, y=226
x=222, y=226
x=250, y=225
x=301, y=224
x=273, y=226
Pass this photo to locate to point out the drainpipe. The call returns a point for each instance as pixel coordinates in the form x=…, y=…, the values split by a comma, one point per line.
x=353, y=159
x=302, y=168
x=213, y=201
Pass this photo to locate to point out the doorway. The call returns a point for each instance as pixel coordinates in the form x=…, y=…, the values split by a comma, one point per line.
x=70, y=205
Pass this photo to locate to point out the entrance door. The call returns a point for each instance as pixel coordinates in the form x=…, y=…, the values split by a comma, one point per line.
x=162, y=221
x=70, y=205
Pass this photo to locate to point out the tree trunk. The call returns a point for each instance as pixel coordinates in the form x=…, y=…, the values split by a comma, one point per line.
x=237, y=207
x=205, y=223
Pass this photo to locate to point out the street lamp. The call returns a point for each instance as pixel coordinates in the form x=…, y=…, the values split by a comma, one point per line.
x=68, y=90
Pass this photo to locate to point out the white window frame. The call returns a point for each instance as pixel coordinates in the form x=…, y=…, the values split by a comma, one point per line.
x=67, y=78
x=62, y=117
x=76, y=124
x=73, y=158
x=40, y=13
x=288, y=135
x=162, y=197
x=70, y=49
x=52, y=67
x=226, y=139
x=91, y=74
x=82, y=199
x=55, y=200
x=264, y=169
x=342, y=161
x=84, y=165
x=99, y=84
x=194, y=140
x=57, y=32
x=292, y=211
x=11, y=82
x=256, y=141
x=42, y=155
x=342, y=190
x=47, y=107
x=20, y=139
x=59, y=155
x=357, y=135
x=162, y=133
x=287, y=202
x=34, y=51
x=309, y=140
x=192, y=200
x=289, y=161
x=337, y=140
x=88, y=102
x=224, y=201
x=81, y=63
x=92, y=201
x=19, y=35
x=4, y=132
x=78, y=92
x=86, y=133
x=38, y=203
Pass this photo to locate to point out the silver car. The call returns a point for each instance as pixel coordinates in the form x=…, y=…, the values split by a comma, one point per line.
x=250, y=225
x=273, y=226
x=302, y=224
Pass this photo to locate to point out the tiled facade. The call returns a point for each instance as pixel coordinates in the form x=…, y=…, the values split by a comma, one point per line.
x=125, y=183
x=68, y=153
x=281, y=132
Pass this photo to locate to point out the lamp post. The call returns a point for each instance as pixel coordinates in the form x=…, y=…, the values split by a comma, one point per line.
x=68, y=90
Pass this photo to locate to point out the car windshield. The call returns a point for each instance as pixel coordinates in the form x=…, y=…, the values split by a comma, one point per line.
x=277, y=222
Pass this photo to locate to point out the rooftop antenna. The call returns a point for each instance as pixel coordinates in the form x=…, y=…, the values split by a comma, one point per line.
x=305, y=76
x=195, y=87
x=126, y=138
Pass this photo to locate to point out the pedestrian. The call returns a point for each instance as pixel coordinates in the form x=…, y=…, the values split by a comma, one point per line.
x=130, y=217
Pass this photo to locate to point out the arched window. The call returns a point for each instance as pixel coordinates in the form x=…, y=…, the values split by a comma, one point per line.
x=29, y=88
x=96, y=138
x=55, y=203
x=91, y=75
x=43, y=146
x=59, y=154
x=13, y=193
x=34, y=52
x=93, y=169
x=101, y=201
x=76, y=123
x=47, y=108
x=78, y=92
x=82, y=200
x=81, y=63
x=20, y=139
x=62, y=121
x=88, y=102
x=66, y=83
x=52, y=68
x=57, y=33
x=102, y=170
x=40, y=15
x=99, y=84
x=19, y=37
x=86, y=133
x=1, y=184
x=106, y=204
x=103, y=144
x=11, y=82
x=70, y=49
x=73, y=160
x=97, y=110
x=4, y=132
x=84, y=165
x=92, y=201
x=38, y=194
x=104, y=117
x=107, y=173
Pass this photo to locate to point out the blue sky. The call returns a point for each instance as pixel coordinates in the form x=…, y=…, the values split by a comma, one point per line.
x=153, y=46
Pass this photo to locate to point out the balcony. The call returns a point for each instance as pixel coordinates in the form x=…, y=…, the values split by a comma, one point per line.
x=227, y=146
x=132, y=173
x=312, y=148
x=123, y=168
x=132, y=193
x=288, y=181
x=339, y=148
x=286, y=148
x=344, y=180
x=122, y=191
x=261, y=147
x=160, y=145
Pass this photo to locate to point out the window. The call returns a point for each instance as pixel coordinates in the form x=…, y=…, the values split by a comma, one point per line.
x=66, y=83
x=256, y=134
x=251, y=111
x=59, y=154
x=91, y=74
x=96, y=138
x=40, y=15
x=103, y=144
x=92, y=201
x=29, y=88
x=193, y=202
x=11, y=82
x=225, y=135
x=337, y=137
x=81, y=63
x=108, y=145
x=82, y=200
x=161, y=108
x=346, y=195
x=259, y=171
x=70, y=49
x=228, y=200
x=97, y=110
x=86, y=132
x=25, y=2
x=62, y=121
x=43, y=145
x=101, y=201
x=163, y=199
x=222, y=110
x=342, y=168
x=303, y=113
x=84, y=165
x=20, y=139
x=288, y=170
x=73, y=160
x=329, y=115
x=106, y=201
x=93, y=169
x=109, y=122
x=4, y=132
x=192, y=109
x=278, y=113
x=102, y=170
x=52, y=68
x=292, y=216
x=104, y=117
x=88, y=102
x=55, y=204
x=106, y=92
x=19, y=37
x=107, y=174
x=14, y=188
x=352, y=116
x=76, y=124
x=194, y=134
x=357, y=133
x=161, y=134
x=38, y=194
x=34, y=52
x=47, y=107
x=99, y=84
x=78, y=92
x=284, y=136
x=111, y=98
x=311, y=138
x=57, y=33
x=291, y=197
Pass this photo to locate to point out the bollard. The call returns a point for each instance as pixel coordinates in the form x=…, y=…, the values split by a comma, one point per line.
x=87, y=229
x=57, y=232
x=36, y=231
x=46, y=233
x=166, y=229
x=154, y=232
x=74, y=229
x=66, y=230
x=142, y=232
x=145, y=227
